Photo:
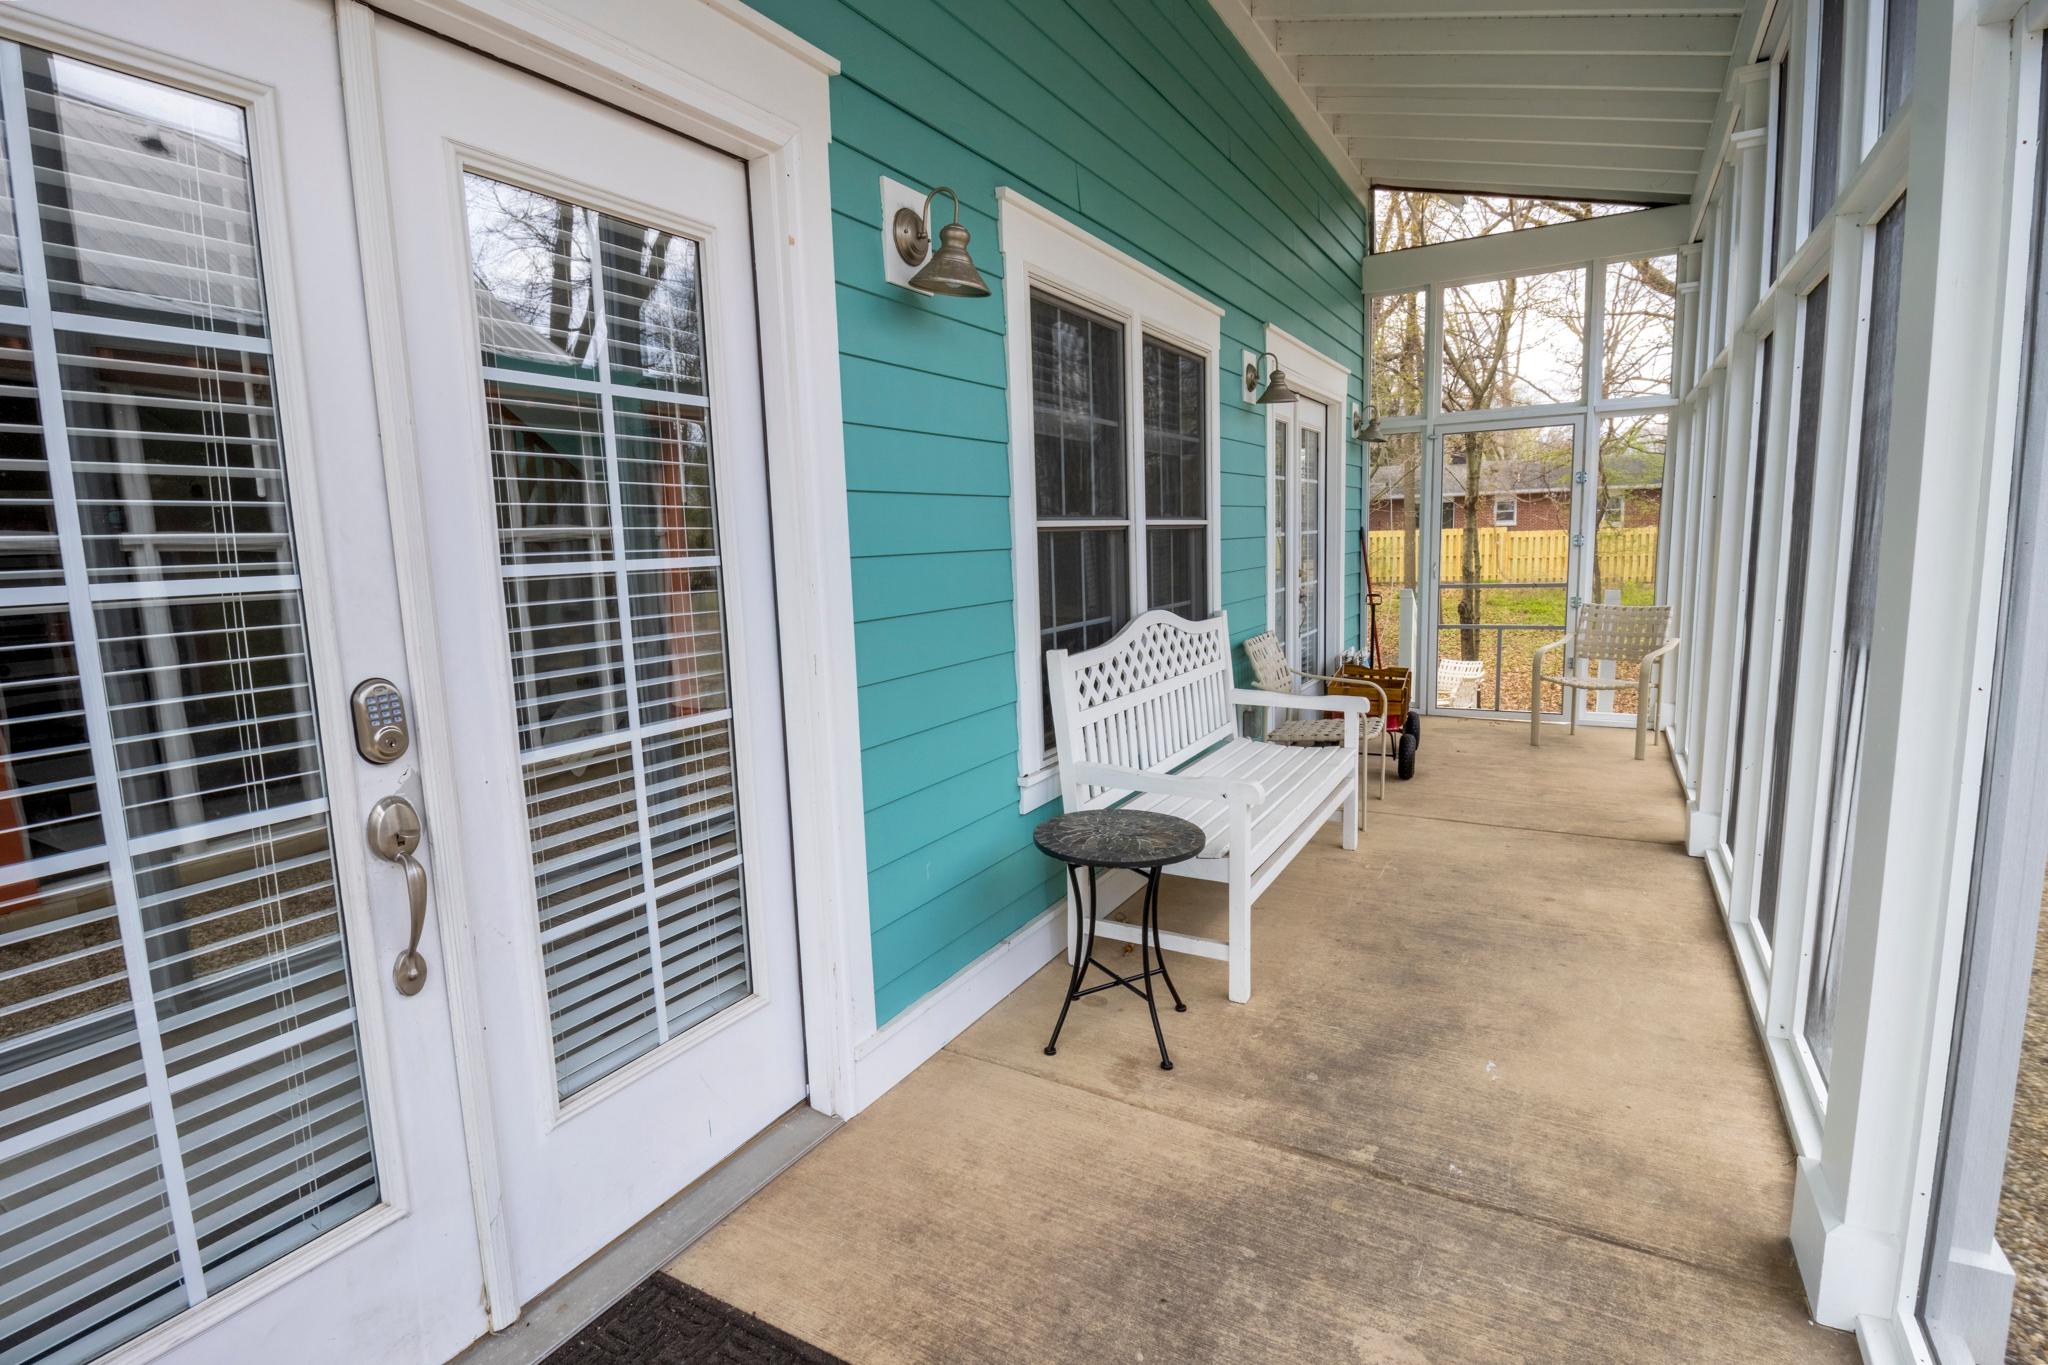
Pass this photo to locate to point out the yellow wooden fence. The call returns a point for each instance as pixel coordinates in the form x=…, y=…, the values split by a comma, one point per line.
x=1627, y=555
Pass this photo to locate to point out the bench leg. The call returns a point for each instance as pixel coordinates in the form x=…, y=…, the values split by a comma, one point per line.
x=1240, y=948
x=1354, y=810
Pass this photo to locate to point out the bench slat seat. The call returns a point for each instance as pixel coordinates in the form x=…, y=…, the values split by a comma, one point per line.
x=1292, y=778
x=1150, y=720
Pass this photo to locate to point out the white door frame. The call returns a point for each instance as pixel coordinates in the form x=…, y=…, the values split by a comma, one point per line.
x=733, y=81
x=1429, y=572
x=1316, y=376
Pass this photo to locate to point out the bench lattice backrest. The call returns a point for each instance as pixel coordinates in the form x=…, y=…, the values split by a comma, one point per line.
x=1151, y=698
x=1622, y=634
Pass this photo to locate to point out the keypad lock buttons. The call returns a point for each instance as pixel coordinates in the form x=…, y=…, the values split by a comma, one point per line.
x=382, y=734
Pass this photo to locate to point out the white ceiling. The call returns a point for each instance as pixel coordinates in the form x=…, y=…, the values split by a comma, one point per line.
x=1578, y=99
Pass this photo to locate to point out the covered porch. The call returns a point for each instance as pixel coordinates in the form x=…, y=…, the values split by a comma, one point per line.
x=1497, y=1087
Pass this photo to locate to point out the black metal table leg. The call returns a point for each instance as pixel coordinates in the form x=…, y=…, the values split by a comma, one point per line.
x=1084, y=948
x=1159, y=949
x=1148, y=943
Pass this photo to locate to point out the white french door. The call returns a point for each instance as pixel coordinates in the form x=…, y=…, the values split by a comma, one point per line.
x=578, y=304
x=224, y=1133
x=1301, y=607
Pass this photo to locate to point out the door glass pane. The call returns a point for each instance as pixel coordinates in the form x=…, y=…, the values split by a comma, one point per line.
x=1504, y=588
x=1859, y=618
x=1282, y=565
x=1513, y=343
x=1308, y=552
x=1394, y=537
x=1630, y=487
x=181, y=1096
x=601, y=461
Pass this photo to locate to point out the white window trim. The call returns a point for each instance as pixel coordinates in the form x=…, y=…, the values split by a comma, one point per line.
x=1315, y=375
x=1046, y=253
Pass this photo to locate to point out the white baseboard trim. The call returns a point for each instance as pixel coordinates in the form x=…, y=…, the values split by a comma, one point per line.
x=909, y=1039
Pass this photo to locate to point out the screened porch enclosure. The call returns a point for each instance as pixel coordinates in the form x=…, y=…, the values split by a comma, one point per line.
x=1527, y=422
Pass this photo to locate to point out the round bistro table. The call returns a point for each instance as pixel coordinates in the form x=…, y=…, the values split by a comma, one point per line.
x=1142, y=841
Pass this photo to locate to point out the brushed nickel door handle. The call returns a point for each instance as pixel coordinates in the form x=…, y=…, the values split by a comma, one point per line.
x=394, y=834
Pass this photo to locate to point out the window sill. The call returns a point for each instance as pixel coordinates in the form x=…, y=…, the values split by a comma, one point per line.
x=1035, y=789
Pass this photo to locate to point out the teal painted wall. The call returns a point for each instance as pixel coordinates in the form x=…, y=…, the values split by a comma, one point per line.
x=1143, y=122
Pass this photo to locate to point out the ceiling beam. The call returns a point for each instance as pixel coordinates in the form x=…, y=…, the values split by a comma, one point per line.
x=1512, y=177
x=1653, y=232
x=1633, y=106
x=1576, y=156
x=1537, y=128
x=1480, y=9
x=1632, y=37
x=1377, y=75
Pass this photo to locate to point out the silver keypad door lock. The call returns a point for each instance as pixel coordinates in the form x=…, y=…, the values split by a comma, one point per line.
x=382, y=733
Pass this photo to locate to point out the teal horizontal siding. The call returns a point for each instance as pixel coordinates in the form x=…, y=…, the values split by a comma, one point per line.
x=1142, y=122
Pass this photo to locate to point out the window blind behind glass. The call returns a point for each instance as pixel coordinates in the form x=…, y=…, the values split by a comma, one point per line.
x=181, y=1097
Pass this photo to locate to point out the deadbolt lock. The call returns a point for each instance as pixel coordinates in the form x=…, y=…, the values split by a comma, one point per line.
x=382, y=733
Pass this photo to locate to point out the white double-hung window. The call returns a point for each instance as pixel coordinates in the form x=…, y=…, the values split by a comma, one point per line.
x=1113, y=453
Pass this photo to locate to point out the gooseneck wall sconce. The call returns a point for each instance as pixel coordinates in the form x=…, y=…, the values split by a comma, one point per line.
x=1276, y=390
x=1366, y=431
x=950, y=270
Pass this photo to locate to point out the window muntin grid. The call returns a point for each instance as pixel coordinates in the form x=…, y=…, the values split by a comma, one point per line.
x=598, y=420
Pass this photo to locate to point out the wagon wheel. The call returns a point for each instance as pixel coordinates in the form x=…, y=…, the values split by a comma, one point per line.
x=1413, y=725
x=1405, y=764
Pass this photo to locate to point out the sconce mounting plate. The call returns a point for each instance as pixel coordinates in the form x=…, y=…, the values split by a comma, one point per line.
x=913, y=239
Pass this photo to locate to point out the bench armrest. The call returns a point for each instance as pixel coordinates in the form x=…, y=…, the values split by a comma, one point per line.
x=1234, y=791
x=1295, y=701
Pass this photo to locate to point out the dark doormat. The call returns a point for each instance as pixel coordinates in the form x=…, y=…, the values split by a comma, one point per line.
x=666, y=1322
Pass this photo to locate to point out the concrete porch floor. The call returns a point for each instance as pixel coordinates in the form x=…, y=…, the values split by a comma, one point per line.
x=1495, y=1097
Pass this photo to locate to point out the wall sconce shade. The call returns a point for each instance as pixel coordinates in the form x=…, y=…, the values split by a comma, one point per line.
x=1277, y=389
x=950, y=271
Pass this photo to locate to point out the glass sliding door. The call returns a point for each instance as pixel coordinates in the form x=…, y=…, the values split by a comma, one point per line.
x=1506, y=549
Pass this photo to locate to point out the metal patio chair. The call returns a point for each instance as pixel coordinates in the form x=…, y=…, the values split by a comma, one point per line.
x=1275, y=674
x=1607, y=633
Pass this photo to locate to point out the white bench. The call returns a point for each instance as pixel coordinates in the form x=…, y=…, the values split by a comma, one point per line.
x=1149, y=720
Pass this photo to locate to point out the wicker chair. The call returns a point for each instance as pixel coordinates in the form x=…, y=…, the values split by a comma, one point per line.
x=1275, y=674
x=1608, y=632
